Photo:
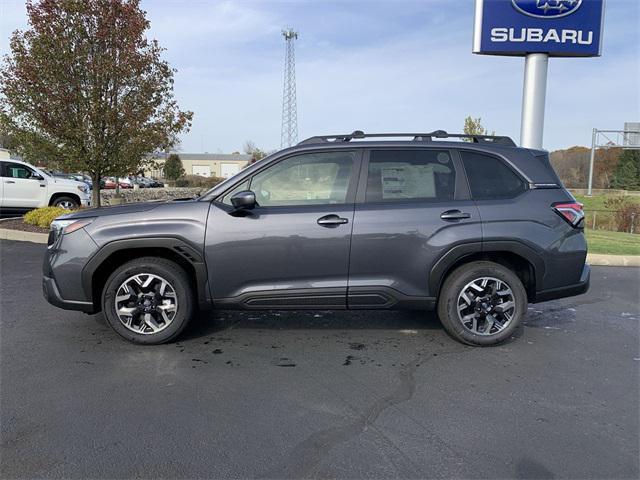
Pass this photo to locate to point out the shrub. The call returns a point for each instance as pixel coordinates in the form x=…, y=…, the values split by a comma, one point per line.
x=198, y=181
x=626, y=213
x=42, y=217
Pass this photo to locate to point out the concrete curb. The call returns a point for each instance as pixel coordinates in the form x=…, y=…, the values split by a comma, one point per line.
x=595, y=259
x=613, y=260
x=8, y=234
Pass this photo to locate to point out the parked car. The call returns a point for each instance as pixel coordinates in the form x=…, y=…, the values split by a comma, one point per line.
x=25, y=187
x=476, y=230
x=79, y=177
x=145, y=182
x=109, y=183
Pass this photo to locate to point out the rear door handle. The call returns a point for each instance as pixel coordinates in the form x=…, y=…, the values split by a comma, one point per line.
x=454, y=215
x=332, y=221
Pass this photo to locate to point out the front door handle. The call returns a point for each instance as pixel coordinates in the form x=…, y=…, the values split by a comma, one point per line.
x=332, y=221
x=9, y=181
x=454, y=215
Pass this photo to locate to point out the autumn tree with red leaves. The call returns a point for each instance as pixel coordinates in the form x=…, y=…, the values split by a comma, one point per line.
x=83, y=86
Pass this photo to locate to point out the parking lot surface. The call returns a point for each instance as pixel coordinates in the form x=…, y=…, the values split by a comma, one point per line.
x=365, y=394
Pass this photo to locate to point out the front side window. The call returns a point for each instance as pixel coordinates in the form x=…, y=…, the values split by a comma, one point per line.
x=307, y=179
x=15, y=170
x=489, y=178
x=397, y=175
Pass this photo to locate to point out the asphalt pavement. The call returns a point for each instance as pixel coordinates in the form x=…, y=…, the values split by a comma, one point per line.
x=316, y=394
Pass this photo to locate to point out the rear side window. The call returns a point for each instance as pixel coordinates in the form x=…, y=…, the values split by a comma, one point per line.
x=489, y=178
x=397, y=175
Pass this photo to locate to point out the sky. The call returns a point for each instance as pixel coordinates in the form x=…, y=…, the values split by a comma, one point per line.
x=380, y=66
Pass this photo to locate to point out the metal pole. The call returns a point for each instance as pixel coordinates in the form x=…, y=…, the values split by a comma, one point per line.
x=533, y=99
x=594, y=134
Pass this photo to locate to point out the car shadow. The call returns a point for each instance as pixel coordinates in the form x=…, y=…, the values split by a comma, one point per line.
x=215, y=321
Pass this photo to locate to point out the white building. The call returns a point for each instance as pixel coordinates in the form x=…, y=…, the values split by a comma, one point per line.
x=206, y=164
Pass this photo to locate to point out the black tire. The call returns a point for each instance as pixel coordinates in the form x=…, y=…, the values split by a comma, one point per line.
x=174, y=275
x=449, y=300
x=66, y=202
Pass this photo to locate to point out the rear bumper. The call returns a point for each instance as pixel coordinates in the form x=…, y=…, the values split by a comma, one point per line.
x=568, y=290
x=52, y=295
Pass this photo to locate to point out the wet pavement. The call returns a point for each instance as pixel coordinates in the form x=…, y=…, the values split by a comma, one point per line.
x=363, y=394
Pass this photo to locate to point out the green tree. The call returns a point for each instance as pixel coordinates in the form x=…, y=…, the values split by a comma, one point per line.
x=473, y=126
x=84, y=86
x=173, y=167
x=627, y=172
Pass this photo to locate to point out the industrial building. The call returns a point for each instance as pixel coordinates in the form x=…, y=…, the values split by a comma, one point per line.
x=205, y=164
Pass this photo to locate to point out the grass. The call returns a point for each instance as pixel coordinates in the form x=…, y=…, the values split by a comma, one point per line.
x=596, y=202
x=613, y=243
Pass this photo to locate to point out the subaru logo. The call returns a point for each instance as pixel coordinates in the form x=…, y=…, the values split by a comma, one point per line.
x=546, y=8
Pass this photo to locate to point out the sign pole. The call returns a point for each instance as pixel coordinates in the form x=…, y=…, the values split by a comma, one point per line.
x=533, y=100
x=594, y=134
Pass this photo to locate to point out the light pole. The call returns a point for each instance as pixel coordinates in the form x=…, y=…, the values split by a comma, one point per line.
x=594, y=134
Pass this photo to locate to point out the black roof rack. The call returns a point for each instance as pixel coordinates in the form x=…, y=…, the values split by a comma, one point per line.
x=416, y=137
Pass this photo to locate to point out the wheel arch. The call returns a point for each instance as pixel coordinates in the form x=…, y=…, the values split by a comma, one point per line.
x=114, y=254
x=57, y=195
x=525, y=262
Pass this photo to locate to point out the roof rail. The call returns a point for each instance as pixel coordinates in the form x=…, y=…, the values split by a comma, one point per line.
x=417, y=137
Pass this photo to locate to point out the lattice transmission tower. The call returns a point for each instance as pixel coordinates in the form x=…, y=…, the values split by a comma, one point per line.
x=289, y=132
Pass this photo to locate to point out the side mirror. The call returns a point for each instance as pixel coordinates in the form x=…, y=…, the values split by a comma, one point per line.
x=245, y=200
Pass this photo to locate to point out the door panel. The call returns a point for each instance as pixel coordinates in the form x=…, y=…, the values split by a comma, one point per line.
x=412, y=208
x=292, y=250
x=272, y=250
x=395, y=246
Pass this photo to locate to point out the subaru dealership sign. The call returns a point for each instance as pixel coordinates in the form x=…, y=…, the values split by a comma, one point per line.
x=559, y=28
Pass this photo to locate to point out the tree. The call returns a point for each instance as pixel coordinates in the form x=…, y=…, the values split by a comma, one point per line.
x=256, y=153
x=84, y=87
x=473, y=126
x=173, y=167
x=627, y=172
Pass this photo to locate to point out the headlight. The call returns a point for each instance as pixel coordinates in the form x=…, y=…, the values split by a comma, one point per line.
x=82, y=188
x=62, y=227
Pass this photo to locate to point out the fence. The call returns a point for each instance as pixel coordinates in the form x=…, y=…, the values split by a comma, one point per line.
x=607, y=220
x=605, y=191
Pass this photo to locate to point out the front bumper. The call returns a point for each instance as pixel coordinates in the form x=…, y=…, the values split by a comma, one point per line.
x=568, y=290
x=52, y=295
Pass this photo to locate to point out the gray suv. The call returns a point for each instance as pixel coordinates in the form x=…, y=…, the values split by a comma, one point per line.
x=476, y=229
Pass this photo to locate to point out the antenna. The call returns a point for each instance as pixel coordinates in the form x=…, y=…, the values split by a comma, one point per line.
x=289, y=132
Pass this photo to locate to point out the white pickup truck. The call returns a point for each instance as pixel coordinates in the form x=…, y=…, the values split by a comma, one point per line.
x=24, y=187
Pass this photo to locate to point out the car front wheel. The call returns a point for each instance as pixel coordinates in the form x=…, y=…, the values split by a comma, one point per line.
x=148, y=300
x=482, y=303
x=67, y=203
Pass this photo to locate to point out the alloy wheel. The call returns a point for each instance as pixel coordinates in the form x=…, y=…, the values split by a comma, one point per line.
x=146, y=303
x=486, y=306
x=66, y=204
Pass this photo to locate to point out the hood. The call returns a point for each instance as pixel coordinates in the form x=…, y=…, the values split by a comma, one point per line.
x=125, y=209
x=68, y=182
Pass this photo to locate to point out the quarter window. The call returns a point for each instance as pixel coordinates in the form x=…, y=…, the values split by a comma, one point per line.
x=308, y=179
x=396, y=175
x=489, y=178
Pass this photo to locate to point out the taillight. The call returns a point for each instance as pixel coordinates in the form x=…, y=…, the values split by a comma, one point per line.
x=571, y=212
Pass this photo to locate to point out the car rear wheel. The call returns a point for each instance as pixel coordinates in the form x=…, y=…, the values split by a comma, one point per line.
x=68, y=203
x=148, y=300
x=482, y=303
